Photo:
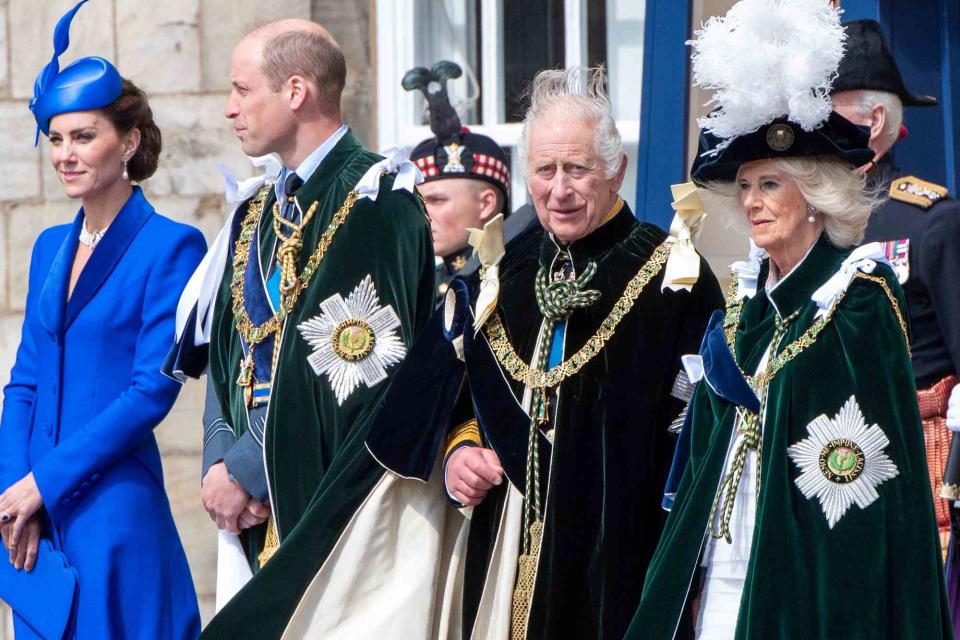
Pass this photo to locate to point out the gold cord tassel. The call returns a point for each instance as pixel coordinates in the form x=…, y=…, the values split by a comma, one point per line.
x=245, y=379
x=526, y=576
x=290, y=235
x=270, y=544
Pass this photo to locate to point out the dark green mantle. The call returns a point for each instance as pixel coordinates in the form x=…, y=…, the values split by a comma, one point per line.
x=876, y=574
x=317, y=465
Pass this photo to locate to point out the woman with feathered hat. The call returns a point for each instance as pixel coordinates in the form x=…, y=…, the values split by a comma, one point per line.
x=93, y=549
x=803, y=510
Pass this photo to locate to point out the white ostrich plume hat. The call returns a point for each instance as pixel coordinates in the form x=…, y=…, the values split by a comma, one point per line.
x=767, y=59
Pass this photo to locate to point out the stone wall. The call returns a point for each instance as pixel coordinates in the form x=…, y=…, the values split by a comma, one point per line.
x=178, y=51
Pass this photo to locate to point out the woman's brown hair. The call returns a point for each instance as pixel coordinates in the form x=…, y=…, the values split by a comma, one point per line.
x=132, y=111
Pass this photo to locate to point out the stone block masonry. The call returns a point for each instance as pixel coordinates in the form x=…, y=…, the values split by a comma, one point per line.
x=178, y=51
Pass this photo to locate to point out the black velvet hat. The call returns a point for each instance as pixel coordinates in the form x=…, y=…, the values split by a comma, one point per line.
x=771, y=66
x=780, y=138
x=868, y=64
x=454, y=151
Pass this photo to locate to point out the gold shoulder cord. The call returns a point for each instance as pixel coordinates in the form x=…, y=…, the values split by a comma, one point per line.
x=535, y=379
x=749, y=423
x=893, y=303
x=732, y=317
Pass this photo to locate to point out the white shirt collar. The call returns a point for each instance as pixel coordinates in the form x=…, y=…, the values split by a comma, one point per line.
x=309, y=165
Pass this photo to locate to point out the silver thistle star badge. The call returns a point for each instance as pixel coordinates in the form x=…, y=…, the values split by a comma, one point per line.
x=842, y=462
x=354, y=340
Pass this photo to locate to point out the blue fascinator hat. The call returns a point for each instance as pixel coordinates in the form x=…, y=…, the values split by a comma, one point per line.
x=85, y=84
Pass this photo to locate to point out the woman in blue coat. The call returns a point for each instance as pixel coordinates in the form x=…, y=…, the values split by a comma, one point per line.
x=80, y=470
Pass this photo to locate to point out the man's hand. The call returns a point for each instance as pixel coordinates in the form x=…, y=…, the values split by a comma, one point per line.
x=471, y=472
x=223, y=498
x=254, y=513
x=23, y=555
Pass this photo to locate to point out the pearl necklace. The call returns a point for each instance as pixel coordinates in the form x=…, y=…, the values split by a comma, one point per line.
x=90, y=238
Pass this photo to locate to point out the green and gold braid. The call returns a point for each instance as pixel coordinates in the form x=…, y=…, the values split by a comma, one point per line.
x=557, y=298
x=749, y=426
x=751, y=423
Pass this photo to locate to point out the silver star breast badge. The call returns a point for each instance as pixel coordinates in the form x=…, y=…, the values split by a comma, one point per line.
x=842, y=462
x=354, y=340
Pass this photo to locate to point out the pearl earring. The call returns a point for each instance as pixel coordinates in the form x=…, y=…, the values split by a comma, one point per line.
x=810, y=211
x=126, y=176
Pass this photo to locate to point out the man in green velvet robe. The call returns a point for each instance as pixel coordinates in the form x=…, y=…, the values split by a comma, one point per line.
x=546, y=386
x=327, y=276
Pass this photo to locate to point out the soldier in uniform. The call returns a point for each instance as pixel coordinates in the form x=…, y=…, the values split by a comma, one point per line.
x=920, y=228
x=466, y=175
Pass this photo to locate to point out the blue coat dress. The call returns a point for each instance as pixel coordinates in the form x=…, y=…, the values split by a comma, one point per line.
x=84, y=397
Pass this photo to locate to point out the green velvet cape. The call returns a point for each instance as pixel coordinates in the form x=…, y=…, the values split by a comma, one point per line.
x=317, y=465
x=876, y=574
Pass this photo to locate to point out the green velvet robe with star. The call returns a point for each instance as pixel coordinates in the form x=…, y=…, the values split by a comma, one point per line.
x=876, y=574
x=317, y=466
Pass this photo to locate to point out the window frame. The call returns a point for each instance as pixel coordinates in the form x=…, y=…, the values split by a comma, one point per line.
x=396, y=111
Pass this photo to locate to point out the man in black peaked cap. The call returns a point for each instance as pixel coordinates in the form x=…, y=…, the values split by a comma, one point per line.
x=920, y=228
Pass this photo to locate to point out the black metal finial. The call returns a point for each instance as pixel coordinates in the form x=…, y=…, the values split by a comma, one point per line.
x=444, y=121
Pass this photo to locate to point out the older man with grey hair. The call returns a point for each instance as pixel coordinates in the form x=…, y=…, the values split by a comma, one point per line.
x=553, y=377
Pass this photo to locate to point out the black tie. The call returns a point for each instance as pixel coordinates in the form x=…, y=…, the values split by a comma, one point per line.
x=288, y=208
x=290, y=187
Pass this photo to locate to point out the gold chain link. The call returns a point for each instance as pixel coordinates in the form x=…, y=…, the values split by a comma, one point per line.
x=536, y=379
x=732, y=317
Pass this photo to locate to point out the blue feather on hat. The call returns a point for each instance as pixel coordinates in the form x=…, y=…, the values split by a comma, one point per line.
x=87, y=83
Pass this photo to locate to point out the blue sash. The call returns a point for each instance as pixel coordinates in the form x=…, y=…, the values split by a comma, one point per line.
x=723, y=376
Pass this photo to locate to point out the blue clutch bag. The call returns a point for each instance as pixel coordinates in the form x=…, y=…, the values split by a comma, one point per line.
x=42, y=599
